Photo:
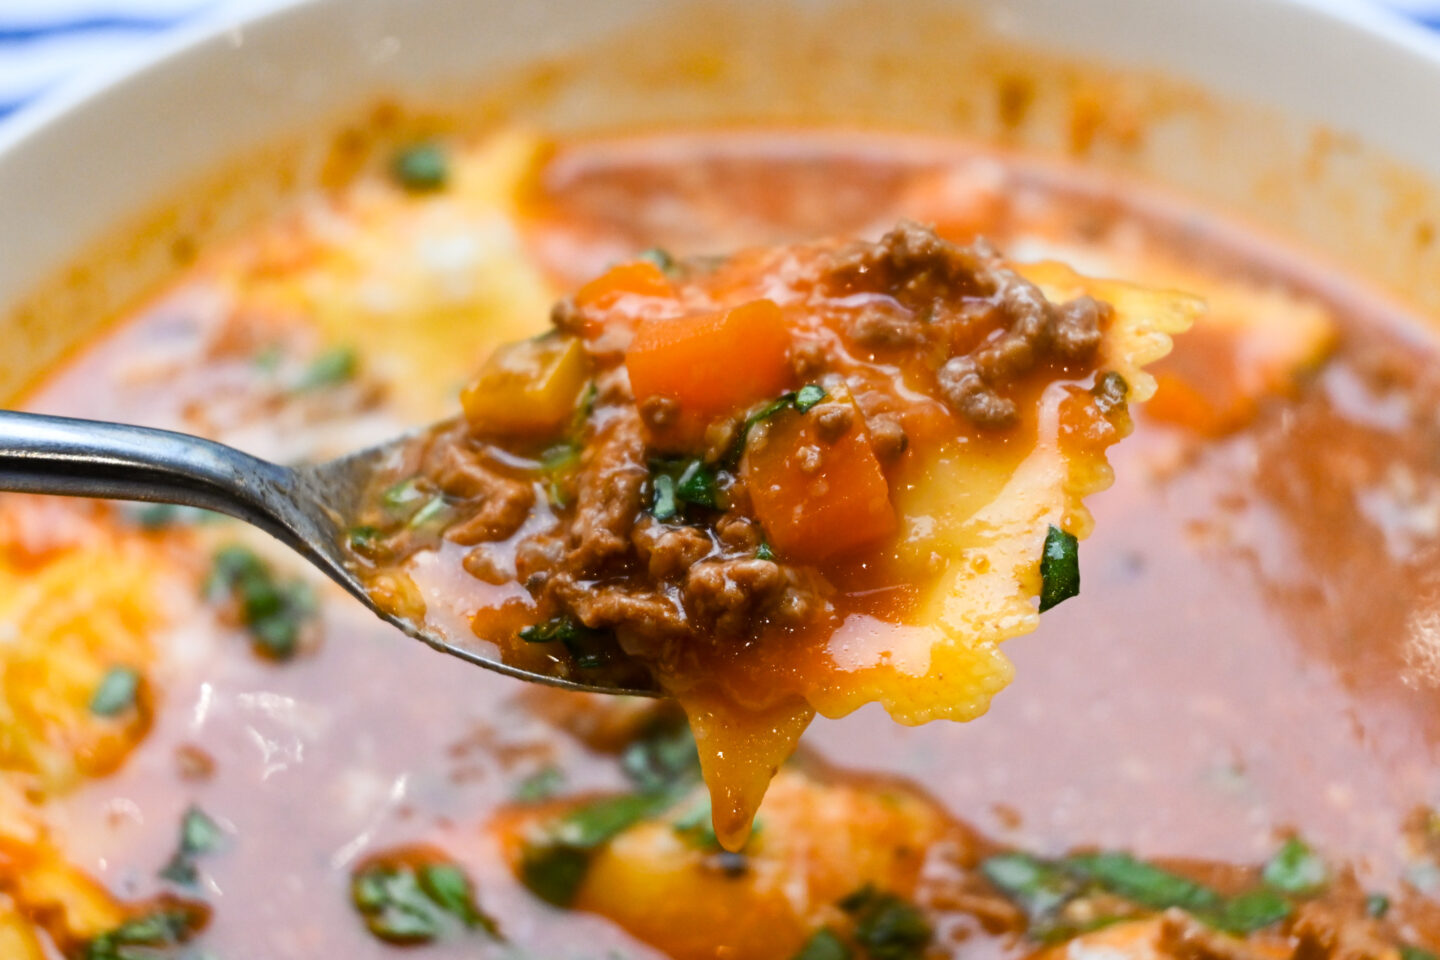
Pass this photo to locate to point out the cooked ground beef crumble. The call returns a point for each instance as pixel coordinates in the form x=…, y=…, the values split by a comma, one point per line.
x=609, y=540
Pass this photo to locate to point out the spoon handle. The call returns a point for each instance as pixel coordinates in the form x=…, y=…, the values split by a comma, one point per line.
x=91, y=458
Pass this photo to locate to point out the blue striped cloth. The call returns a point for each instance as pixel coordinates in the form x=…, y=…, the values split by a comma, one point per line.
x=44, y=43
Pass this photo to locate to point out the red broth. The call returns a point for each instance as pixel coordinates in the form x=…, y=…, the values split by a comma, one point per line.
x=1255, y=649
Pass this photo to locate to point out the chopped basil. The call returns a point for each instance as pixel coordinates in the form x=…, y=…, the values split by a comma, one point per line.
x=664, y=760
x=1377, y=905
x=661, y=258
x=1411, y=952
x=274, y=611
x=421, y=168
x=1144, y=883
x=1039, y=888
x=807, y=396
x=764, y=551
x=116, y=692
x=1059, y=568
x=589, y=648
x=697, y=485
x=199, y=835
x=824, y=945
x=677, y=481
x=449, y=887
x=1043, y=889
x=364, y=540
x=330, y=368
x=801, y=400
x=169, y=926
x=1110, y=391
x=1297, y=869
x=401, y=903
x=559, y=458
x=553, y=865
x=1248, y=912
x=662, y=504
x=403, y=497
x=540, y=785
x=888, y=927
x=433, y=516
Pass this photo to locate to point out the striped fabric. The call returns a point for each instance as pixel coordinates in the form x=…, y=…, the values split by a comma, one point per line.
x=44, y=43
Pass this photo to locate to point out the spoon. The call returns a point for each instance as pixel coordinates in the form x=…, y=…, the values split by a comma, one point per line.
x=303, y=507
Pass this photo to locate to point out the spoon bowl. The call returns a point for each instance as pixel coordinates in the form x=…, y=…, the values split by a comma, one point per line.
x=307, y=507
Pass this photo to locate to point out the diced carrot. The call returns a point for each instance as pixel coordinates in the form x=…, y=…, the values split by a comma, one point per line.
x=598, y=299
x=639, y=278
x=817, y=499
x=527, y=387
x=711, y=365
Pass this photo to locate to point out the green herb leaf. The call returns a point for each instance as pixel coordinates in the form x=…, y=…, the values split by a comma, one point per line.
x=1377, y=905
x=1297, y=869
x=450, y=889
x=169, y=926
x=808, y=396
x=590, y=649
x=661, y=258
x=274, y=612
x=540, y=785
x=421, y=168
x=1039, y=888
x=764, y=551
x=365, y=540
x=1059, y=568
x=330, y=368
x=1248, y=912
x=554, y=864
x=697, y=485
x=433, y=517
x=199, y=835
x=801, y=400
x=403, y=497
x=662, y=504
x=559, y=458
x=394, y=906
x=1144, y=883
x=1411, y=952
x=824, y=945
x=664, y=760
x=116, y=692
x=887, y=927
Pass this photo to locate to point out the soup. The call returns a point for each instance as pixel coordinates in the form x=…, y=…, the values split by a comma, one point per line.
x=1221, y=748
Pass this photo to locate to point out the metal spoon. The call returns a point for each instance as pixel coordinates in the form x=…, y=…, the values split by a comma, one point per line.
x=303, y=507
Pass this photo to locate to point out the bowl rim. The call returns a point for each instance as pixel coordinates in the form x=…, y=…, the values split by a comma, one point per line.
x=71, y=96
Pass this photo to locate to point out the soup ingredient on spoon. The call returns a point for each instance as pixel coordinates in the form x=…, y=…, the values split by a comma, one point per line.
x=793, y=480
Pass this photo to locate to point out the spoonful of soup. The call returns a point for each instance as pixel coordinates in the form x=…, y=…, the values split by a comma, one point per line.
x=791, y=480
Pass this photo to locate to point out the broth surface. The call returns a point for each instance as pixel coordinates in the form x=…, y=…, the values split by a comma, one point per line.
x=1255, y=650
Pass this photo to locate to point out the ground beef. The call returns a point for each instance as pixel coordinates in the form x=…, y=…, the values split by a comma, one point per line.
x=1323, y=932
x=952, y=293
x=727, y=596
x=495, y=505
x=833, y=420
x=668, y=551
x=610, y=493
x=887, y=436
x=640, y=611
x=1185, y=938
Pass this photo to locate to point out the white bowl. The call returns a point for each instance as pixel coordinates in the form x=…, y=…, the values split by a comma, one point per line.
x=97, y=184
